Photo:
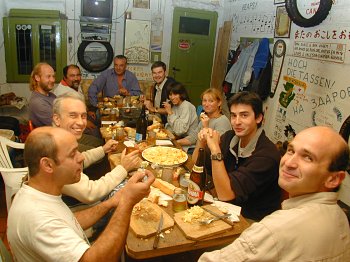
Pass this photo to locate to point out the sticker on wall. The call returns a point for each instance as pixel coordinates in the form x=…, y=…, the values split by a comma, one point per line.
x=279, y=52
x=184, y=44
x=282, y=22
x=288, y=95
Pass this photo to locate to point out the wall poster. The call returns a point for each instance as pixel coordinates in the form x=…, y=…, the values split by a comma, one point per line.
x=141, y=4
x=137, y=41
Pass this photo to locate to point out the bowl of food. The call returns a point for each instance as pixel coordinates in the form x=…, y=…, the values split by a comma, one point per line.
x=165, y=156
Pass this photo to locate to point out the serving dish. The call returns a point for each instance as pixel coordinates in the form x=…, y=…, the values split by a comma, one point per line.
x=165, y=156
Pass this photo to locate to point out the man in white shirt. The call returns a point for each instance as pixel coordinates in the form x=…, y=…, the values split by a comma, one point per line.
x=71, y=84
x=42, y=228
x=160, y=91
x=69, y=113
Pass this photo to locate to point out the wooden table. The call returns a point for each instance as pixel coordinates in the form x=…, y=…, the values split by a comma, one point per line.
x=176, y=242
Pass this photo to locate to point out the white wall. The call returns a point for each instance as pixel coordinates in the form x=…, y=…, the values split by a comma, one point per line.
x=322, y=94
x=71, y=8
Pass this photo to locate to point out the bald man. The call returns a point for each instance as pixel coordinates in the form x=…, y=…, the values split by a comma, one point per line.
x=42, y=228
x=310, y=226
x=42, y=80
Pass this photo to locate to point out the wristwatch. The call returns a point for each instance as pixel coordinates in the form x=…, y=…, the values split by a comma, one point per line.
x=217, y=156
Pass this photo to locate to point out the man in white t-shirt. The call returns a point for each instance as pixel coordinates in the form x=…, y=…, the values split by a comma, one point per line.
x=311, y=226
x=42, y=228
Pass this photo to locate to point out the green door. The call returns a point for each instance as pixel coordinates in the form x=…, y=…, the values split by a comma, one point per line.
x=192, y=49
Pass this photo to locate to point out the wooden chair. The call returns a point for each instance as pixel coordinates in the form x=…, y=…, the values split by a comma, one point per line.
x=12, y=176
x=5, y=255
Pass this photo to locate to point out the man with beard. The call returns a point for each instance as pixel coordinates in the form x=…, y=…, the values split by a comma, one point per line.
x=70, y=82
x=160, y=91
x=42, y=80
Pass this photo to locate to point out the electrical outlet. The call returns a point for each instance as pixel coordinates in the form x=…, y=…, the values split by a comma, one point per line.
x=70, y=39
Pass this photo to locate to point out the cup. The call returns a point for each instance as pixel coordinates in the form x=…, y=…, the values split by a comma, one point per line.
x=179, y=200
x=120, y=135
x=167, y=174
x=120, y=101
x=128, y=101
x=151, y=138
x=130, y=149
x=113, y=115
x=142, y=98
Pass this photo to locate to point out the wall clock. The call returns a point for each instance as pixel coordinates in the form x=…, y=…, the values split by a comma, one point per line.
x=294, y=8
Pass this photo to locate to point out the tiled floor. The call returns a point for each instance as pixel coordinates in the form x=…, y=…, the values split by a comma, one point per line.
x=3, y=213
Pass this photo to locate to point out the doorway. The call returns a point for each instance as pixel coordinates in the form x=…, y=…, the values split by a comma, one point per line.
x=192, y=49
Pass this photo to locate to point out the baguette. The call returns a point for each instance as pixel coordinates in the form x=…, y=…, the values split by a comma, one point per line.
x=155, y=125
x=164, y=186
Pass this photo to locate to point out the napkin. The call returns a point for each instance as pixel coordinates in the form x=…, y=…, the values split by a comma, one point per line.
x=234, y=210
x=103, y=122
x=163, y=143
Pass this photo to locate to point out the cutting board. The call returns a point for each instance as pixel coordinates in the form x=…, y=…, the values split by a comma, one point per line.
x=144, y=222
x=196, y=231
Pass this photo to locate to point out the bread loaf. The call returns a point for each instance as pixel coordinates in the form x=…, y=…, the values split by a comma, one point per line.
x=155, y=125
x=164, y=186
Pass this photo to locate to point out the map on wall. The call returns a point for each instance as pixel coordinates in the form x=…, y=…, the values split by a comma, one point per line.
x=137, y=41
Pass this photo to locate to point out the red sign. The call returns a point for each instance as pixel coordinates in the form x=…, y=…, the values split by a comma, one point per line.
x=184, y=45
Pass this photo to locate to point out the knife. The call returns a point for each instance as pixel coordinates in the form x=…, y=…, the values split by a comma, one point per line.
x=227, y=221
x=159, y=230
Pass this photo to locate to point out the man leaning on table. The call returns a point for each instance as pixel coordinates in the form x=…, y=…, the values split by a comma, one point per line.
x=42, y=228
x=310, y=226
x=71, y=84
x=243, y=162
x=115, y=81
x=70, y=114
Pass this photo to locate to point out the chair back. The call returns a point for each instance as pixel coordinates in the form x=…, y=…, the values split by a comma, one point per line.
x=12, y=176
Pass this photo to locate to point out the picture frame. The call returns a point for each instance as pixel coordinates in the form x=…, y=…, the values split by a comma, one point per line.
x=137, y=41
x=141, y=4
x=282, y=23
x=279, y=2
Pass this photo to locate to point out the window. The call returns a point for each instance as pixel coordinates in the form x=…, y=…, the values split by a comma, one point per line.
x=191, y=25
x=33, y=36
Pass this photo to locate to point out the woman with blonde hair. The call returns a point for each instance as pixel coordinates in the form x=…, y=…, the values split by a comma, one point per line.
x=212, y=116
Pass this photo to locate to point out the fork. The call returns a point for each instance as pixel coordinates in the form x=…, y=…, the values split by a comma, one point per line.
x=208, y=221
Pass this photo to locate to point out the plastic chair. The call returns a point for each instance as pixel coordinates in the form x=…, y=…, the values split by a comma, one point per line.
x=12, y=176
